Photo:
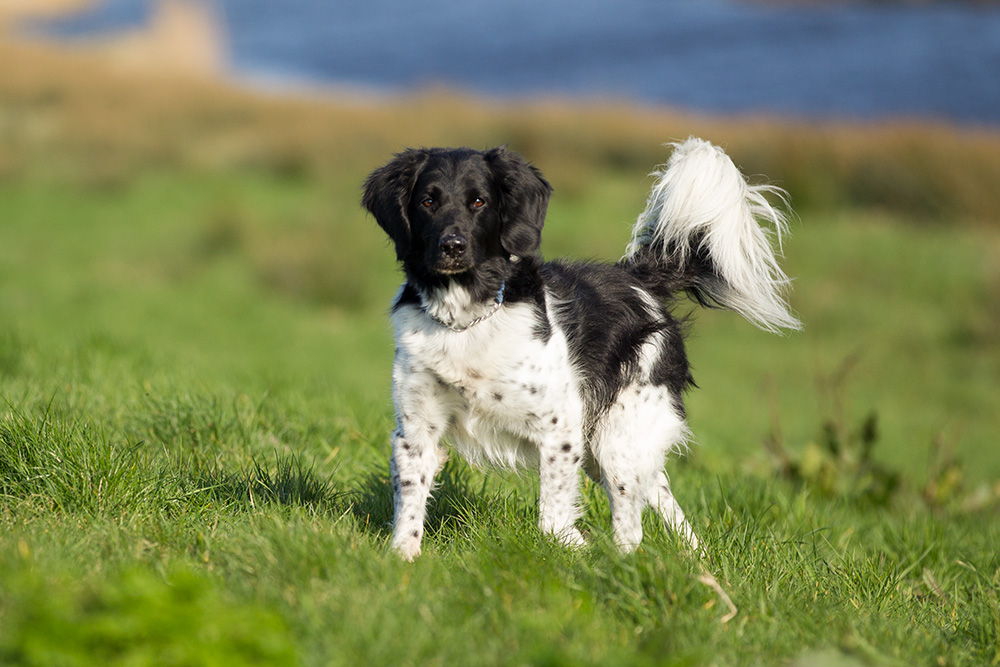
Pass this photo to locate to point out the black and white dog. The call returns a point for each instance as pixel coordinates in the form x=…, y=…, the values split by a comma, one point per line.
x=558, y=365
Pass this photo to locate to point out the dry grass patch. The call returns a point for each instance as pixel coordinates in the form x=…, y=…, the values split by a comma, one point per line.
x=71, y=117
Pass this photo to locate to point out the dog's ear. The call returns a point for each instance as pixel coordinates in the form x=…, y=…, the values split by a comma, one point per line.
x=524, y=198
x=387, y=196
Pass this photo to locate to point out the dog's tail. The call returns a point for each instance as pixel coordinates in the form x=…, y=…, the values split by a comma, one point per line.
x=706, y=230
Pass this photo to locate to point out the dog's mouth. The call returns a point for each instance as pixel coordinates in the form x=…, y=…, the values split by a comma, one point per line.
x=450, y=266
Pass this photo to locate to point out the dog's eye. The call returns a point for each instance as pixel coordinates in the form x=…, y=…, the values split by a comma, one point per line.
x=478, y=202
x=427, y=202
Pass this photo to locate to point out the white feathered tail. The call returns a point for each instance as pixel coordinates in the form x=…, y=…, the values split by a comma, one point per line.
x=702, y=208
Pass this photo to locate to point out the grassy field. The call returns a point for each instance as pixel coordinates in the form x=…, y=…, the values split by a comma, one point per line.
x=194, y=396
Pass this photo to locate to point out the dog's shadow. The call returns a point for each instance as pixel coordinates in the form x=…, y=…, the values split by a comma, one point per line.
x=462, y=503
x=288, y=481
x=291, y=481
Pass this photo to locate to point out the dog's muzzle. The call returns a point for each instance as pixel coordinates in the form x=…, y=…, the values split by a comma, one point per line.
x=453, y=256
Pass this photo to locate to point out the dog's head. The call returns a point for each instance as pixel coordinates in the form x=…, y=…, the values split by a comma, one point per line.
x=449, y=210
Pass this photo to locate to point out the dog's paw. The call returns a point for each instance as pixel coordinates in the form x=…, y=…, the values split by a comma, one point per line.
x=407, y=548
x=570, y=537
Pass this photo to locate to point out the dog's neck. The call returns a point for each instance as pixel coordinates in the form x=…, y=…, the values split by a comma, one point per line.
x=453, y=306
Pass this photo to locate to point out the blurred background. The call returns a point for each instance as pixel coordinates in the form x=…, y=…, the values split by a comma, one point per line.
x=812, y=59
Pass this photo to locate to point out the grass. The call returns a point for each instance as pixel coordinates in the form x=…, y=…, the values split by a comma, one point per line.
x=194, y=397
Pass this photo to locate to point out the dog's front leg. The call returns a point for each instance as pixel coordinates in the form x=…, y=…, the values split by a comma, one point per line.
x=413, y=465
x=422, y=418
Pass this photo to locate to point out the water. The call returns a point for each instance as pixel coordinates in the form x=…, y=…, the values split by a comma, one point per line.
x=937, y=61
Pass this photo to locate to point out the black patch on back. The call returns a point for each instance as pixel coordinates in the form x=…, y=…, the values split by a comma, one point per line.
x=606, y=323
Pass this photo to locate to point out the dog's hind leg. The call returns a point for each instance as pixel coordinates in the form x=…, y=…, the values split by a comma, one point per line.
x=630, y=445
x=662, y=499
x=627, y=502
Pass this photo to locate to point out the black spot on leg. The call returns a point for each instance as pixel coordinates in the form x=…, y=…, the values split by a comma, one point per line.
x=406, y=483
x=555, y=420
x=621, y=489
x=576, y=459
x=552, y=459
x=416, y=533
x=567, y=447
x=406, y=446
x=423, y=479
x=498, y=397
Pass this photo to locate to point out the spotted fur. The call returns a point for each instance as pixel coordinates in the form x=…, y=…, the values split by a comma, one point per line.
x=558, y=366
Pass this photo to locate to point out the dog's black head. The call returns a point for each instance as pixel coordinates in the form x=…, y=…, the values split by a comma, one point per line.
x=449, y=211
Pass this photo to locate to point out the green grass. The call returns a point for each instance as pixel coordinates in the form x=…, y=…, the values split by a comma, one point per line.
x=194, y=409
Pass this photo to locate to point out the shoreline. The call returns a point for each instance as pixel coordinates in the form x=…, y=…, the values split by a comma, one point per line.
x=302, y=91
x=188, y=38
x=14, y=11
x=185, y=40
x=181, y=37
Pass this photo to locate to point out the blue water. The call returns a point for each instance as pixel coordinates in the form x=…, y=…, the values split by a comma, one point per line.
x=937, y=61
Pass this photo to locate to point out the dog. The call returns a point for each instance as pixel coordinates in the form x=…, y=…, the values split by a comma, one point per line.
x=559, y=366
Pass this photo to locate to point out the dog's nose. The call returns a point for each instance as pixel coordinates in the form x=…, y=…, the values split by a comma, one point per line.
x=453, y=245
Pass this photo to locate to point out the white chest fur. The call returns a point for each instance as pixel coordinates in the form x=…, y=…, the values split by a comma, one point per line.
x=496, y=389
